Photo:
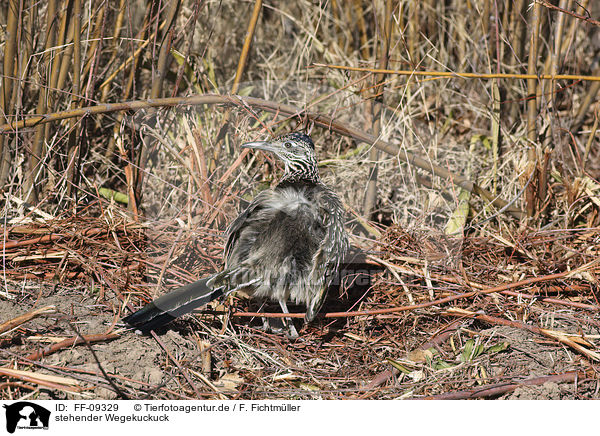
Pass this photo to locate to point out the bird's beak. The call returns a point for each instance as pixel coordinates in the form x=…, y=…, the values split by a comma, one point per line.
x=261, y=145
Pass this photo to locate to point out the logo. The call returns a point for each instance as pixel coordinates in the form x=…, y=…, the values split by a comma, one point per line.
x=26, y=415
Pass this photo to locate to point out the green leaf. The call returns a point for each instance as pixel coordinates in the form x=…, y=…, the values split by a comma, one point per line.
x=465, y=356
x=399, y=366
x=442, y=364
x=457, y=221
x=119, y=197
x=501, y=346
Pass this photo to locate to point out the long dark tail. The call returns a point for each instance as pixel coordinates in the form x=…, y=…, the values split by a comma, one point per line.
x=174, y=304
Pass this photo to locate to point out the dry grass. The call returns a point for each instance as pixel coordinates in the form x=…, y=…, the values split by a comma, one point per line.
x=428, y=322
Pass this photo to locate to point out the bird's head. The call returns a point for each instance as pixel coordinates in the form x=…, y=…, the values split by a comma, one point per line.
x=296, y=150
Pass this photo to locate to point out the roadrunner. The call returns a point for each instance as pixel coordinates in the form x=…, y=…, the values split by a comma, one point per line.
x=286, y=245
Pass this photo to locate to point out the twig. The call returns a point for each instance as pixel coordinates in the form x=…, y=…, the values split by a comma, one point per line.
x=572, y=341
x=71, y=342
x=22, y=319
x=50, y=381
x=277, y=108
x=48, y=238
x=504, y=388
x=564, y=11
x=246, y=48
x=495, y=289
x=464, y=75
x=177, y=364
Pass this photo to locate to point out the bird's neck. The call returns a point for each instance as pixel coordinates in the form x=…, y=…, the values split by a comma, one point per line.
x=299, y=177
x=308, y=174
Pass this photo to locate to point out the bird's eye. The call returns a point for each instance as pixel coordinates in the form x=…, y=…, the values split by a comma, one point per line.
x=288, y=145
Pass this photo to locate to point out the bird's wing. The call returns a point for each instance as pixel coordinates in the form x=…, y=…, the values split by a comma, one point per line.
x=234, y=229
x=330, y=253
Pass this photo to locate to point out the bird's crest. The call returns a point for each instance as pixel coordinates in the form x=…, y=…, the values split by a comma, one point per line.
x=299, y=137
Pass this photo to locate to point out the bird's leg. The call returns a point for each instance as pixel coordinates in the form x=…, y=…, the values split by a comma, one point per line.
x=279, y=325
x=265, y=321
x=271, y=325
x=288, y=322
x=266, y=327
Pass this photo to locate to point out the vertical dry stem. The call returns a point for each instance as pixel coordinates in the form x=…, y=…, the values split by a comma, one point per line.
x=36, y=155
x=376, y=106
x=530, y=193
x=8, y=81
